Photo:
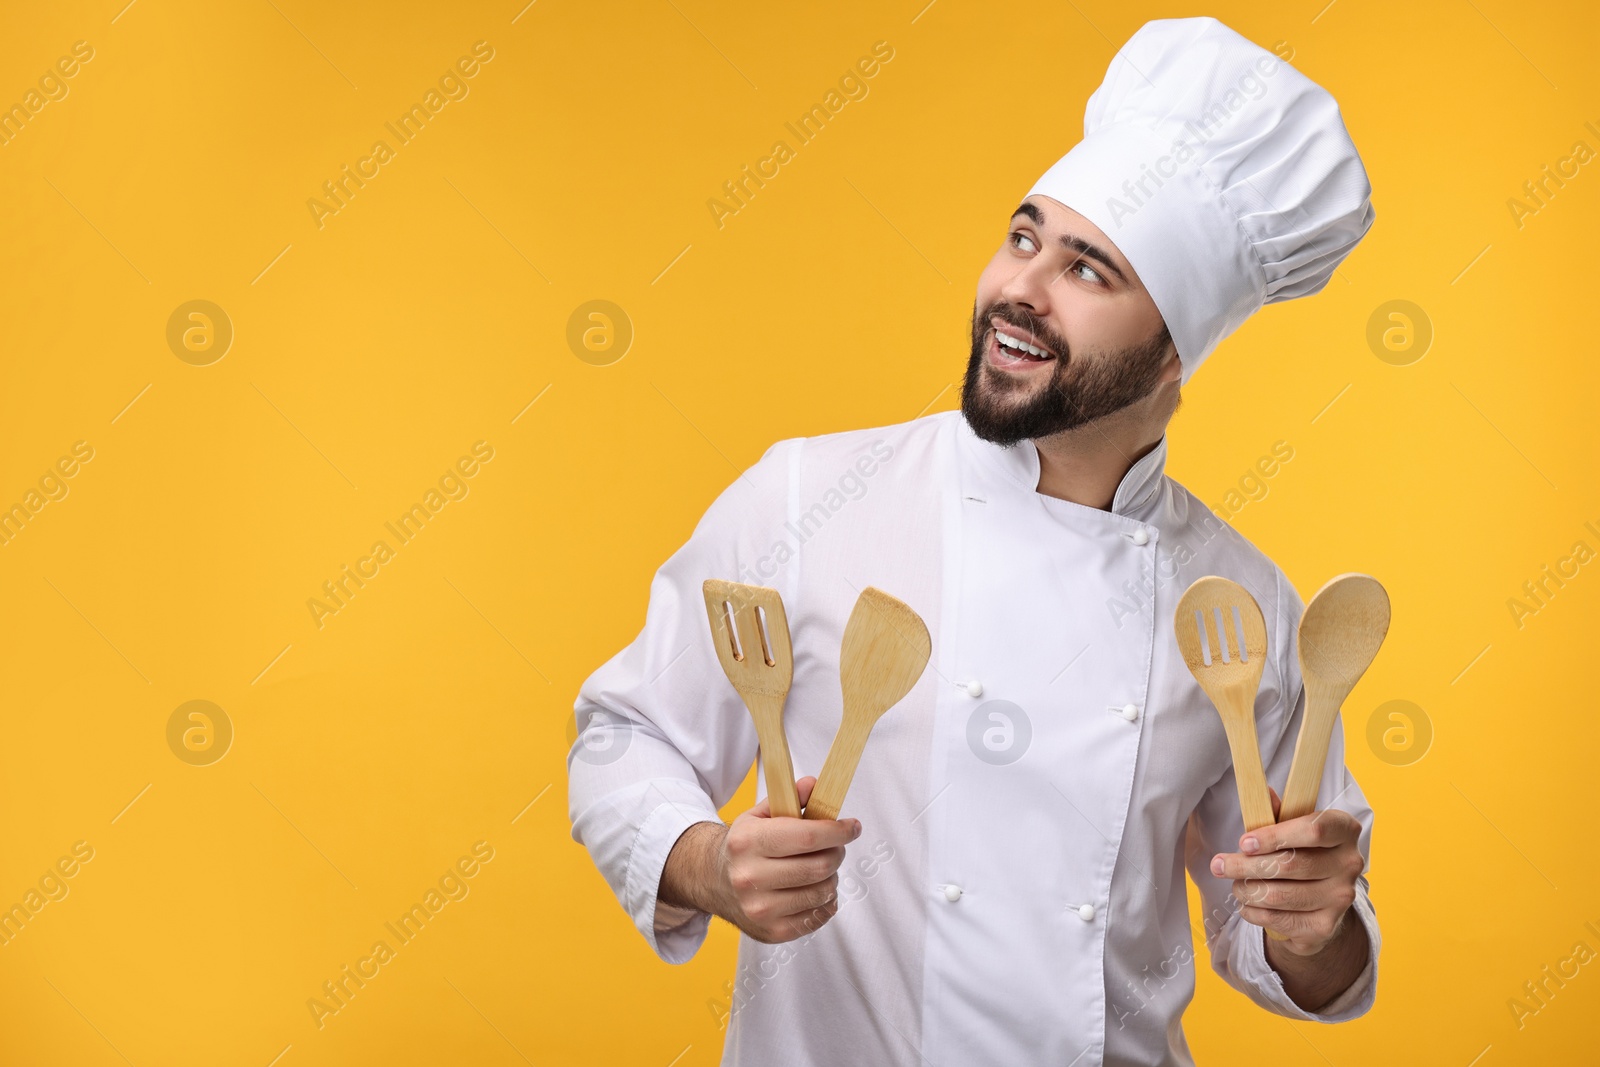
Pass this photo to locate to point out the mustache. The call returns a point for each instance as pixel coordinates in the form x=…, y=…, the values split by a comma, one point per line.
x=1012, y=315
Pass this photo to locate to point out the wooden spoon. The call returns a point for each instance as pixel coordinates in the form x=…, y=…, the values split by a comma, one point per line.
x=751, y=634
x=1340, y=634
x=886, y=647
x=1229, y=670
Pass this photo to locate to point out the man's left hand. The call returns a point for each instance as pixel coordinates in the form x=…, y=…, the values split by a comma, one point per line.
x=1296, y=878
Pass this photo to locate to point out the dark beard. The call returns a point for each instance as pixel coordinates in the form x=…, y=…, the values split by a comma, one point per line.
x=1080, y=389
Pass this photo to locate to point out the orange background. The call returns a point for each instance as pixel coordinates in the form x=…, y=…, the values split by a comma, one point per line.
x=431, y=712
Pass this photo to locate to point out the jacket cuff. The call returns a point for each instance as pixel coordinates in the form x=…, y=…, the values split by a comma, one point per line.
x=674, y=934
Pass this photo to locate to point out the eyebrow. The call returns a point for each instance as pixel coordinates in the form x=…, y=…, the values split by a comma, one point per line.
x=1073, y=242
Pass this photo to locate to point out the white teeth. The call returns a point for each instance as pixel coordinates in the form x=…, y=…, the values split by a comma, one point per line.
x=1012, y=342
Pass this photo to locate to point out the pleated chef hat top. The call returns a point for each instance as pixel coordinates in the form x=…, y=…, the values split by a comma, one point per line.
x=1224, y=175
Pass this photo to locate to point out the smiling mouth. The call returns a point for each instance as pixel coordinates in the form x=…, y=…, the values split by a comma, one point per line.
x=1010, y=349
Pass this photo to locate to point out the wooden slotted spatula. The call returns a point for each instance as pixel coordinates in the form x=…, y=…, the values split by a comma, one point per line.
x=751, y=634
x=886, y=647
x=1223, y=639
x=1340, y=634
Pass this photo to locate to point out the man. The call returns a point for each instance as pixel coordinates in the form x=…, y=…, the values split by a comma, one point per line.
x=1006, y=883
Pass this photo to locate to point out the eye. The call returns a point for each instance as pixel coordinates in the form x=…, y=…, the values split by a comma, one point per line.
x=1017, y=237
x=1090, y=274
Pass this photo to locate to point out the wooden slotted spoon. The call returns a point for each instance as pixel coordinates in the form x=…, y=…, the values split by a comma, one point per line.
x=886, y=647
x=1226, y=654
x=1340, y=634
x=759, y=660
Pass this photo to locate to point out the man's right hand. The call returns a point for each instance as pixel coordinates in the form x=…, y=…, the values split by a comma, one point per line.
x=774, y=877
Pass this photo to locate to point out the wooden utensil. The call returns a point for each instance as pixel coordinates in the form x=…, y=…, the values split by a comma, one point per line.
x=1340, y=633
x=751, y=634
x=886, y=647
x=1223, y=639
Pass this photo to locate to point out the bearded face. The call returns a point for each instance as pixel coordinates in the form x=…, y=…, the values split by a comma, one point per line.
x=1024, y=381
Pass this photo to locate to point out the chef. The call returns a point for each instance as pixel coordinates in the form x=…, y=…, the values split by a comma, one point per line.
x=1006, y=882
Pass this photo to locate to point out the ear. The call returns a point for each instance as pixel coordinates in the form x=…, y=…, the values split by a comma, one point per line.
x=1172, y=365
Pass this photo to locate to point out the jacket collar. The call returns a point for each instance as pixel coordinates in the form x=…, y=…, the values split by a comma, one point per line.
x=1018, y=465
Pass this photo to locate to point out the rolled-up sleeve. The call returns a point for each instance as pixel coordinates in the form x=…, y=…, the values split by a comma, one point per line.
x=663, y=739
x=1238, y=947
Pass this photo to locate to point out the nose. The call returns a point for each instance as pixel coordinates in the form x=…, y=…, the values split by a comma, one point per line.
x=1029, y=288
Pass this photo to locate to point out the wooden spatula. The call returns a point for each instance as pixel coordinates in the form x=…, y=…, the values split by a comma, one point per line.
x=1223, y=639
x=1340, y=633
x=886, y=646
x=751, y=634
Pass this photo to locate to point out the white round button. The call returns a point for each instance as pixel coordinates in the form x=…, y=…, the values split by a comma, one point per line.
x=974, y=688
x=952, y=893
x=1140, y=537
x=1086, y=913
x=1130, y=712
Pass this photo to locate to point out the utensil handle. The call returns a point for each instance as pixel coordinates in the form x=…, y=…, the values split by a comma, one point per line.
x=781, y=795
x=827, y=796
x=1305, y=773
x=1310, y=755
x=1255, y=802
x=778, y=767
x=1255, y=799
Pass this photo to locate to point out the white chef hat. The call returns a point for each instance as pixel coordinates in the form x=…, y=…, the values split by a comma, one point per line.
x=1224, y=175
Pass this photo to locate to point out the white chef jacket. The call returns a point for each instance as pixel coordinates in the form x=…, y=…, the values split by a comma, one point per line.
x=1017, y=894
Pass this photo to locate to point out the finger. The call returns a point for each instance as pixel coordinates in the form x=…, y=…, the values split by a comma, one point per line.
x=794, y=837
x=1322, y=829
x=1303, y=864
x=809, y=868
x=1308, y=930
x=1277, y=922
x=784, y=903
x=800, y=925
x=764, y=808
x=1277, y=803
x=1280, y=895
